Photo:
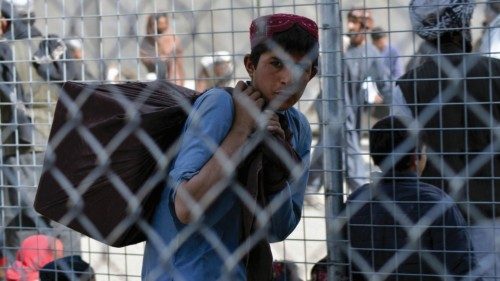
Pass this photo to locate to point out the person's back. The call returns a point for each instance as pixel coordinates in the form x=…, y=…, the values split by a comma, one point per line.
x=216, y=71
x=458, y=95
x=393, y=211
x=399, y=227
x=70, y=268
x=455, y=94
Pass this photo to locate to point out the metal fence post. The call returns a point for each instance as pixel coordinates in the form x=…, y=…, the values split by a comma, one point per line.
x=331, y=67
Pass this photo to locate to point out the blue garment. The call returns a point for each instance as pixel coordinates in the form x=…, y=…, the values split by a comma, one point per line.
x=399, y=105
x=392, y=61
x=196, y=258
x=381, y=218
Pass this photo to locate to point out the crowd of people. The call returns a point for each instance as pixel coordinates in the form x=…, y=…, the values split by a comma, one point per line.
x=431, y=211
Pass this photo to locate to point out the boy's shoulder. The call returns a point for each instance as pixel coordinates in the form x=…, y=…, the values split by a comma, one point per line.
x=300, y=120
x=294, y=112
x=432, y=191
x=215, y=95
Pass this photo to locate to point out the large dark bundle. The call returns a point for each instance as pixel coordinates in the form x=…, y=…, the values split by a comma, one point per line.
x=107, y=156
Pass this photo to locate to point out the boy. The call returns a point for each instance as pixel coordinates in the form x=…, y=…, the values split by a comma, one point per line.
x=198, y=223
x=400, y=227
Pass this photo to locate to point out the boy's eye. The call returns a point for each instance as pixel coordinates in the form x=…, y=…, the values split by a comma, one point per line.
x=277, y=63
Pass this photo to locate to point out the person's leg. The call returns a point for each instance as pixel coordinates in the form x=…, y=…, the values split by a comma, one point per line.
x=24, y=174
x=356, y=170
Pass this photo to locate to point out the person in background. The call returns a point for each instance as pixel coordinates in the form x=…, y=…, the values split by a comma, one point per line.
x=424, y=49
x=161, y=52
x=22, y=19
x=216, y=71
x=53, y=62
x=70, y=268
x=388, y=52
x=118, y=73
x=76, y=53
x=490, y=42
x=316, y=181
x=367, y=81
x=34, y=253
x=399, y=227
x=454, y=95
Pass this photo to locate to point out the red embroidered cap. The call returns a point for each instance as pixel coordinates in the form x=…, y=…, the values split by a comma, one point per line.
x=265, y=27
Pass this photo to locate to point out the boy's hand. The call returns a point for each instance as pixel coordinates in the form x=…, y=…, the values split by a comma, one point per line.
x=273, y=125
x=248, y=105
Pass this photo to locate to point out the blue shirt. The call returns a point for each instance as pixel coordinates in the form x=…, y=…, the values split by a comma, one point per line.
x=184, y=252
x=382, y=218
x=393, y=61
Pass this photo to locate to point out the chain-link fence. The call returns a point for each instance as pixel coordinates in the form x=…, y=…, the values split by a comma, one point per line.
x=114, y=161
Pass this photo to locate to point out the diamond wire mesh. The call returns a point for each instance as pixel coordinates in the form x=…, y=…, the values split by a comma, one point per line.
x=111, y=34
x=460, y=121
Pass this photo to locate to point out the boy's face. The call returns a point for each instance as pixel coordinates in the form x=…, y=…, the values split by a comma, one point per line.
x=280, y=81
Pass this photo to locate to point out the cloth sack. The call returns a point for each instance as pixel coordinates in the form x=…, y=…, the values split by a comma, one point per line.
x=101, y=175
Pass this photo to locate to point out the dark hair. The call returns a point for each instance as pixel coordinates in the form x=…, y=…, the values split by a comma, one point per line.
x=295, y=40
x=319, y=270
x=494, y=5
x=392, y=138
x=361, y=15
x=285, y=271
x=67, y=269
x=378, y=33
x=456, y=37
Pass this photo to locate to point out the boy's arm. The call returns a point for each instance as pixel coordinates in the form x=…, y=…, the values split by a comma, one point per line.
x=193, y=190
x=287, y=216
x=285, y=219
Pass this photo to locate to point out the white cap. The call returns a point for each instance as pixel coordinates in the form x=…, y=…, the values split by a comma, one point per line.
x=22, y=6
x=75, y=43
x=220, y=56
